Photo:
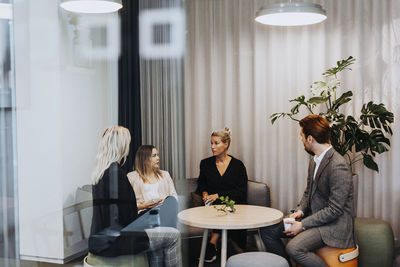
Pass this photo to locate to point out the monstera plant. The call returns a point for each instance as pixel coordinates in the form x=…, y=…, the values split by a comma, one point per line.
x=356, y=139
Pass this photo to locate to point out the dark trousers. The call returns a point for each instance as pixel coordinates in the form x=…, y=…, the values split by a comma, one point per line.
x=238, y=236
x=300, y=248
x=133, y=239
x=167, y=210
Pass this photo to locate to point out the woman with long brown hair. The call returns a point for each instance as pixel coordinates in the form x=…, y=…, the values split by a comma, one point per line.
x=151, y=185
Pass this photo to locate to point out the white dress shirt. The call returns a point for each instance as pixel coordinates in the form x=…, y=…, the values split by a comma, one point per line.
x=318, y=159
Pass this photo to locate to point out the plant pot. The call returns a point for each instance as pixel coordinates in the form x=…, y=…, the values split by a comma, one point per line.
x=355, y=193
x=231, y=210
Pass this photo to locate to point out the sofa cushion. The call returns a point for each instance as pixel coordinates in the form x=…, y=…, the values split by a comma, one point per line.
x=258, y=194
x=196, y=200
x=376, y=242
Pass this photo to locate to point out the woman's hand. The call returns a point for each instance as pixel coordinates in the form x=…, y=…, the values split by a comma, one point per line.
x=210, y=199
x=205, y=196
x=149, y=205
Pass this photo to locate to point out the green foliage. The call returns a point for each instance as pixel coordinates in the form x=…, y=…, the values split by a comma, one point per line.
x=357, y=139
x=229, y=204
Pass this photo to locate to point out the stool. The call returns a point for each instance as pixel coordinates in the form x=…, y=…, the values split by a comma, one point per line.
x=139, y=260
x=256, y=259
x=338, y=257
x=376, y=241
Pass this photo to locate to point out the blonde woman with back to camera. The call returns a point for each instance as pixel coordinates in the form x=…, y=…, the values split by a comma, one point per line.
x=114, y=207
x=222, y=175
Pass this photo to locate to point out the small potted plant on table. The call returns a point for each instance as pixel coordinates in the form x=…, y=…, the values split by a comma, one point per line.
x=228, y=205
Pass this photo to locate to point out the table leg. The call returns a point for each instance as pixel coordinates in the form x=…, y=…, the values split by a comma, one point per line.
x=203, y=248
x=223, y=247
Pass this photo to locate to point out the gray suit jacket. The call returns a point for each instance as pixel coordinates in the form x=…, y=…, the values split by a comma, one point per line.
x=327, y=202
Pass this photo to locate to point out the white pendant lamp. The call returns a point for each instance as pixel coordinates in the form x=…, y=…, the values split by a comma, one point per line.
x=6, y=11
x=91, y=6
x=291, y=14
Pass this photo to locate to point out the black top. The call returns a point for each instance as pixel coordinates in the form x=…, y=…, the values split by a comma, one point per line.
x=114, y=207
x=233, y=183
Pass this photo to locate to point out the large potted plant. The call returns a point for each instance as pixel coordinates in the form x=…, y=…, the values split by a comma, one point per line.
x=355, y=138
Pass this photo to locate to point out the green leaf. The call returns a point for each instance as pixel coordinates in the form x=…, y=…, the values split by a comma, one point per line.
x=377, y=124
x=276, y=116
x=341, y=65
x=317, y=100
x=371, y=122
x=299, y=99
x=369, y=162
x=344, y=98
x=377, y=116
x=295, y=109
x=380, y=148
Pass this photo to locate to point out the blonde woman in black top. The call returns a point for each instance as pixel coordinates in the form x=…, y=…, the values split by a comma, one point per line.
x=222, y=175
x=114, y=207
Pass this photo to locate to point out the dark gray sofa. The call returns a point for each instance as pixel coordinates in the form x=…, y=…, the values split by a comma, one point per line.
x=257, y=193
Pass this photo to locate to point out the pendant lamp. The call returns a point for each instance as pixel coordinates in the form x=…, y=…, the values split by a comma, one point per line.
x=291, y=14
x=6, y=11
x=91, y=6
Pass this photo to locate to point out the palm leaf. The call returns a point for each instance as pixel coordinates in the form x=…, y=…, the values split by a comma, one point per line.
x=341, y=65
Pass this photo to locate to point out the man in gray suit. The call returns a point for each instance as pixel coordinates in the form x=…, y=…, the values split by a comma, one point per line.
x=324, y=214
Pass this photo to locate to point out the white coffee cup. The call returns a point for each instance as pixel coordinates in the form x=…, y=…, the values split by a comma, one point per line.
x=287, y=225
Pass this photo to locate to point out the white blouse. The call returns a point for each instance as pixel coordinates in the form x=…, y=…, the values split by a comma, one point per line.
x=147, y=192
x=151, y=190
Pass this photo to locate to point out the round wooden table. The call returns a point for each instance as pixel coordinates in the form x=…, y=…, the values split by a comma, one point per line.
x=245, y=217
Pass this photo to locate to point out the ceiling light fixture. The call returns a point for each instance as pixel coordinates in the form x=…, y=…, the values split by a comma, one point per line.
x=6, y=11
x=291, y=14
x=91, y=6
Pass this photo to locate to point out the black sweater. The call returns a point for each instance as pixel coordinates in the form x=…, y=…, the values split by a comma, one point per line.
x=114, y=206
x=233, y=183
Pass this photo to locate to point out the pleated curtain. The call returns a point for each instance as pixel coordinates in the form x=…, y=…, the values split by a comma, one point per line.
x=238, y=72
x=161, y=90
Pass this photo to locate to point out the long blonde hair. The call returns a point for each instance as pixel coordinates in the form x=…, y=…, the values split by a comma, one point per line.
x=143, y=164
x=113, y=147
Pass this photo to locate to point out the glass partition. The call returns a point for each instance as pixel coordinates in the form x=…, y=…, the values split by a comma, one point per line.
x=8, y=182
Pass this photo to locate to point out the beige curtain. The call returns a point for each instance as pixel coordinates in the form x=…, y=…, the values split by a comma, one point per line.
x=161, y=89
x=238, y=72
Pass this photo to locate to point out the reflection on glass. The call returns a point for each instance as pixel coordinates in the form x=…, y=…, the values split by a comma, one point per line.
x=8, y=182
